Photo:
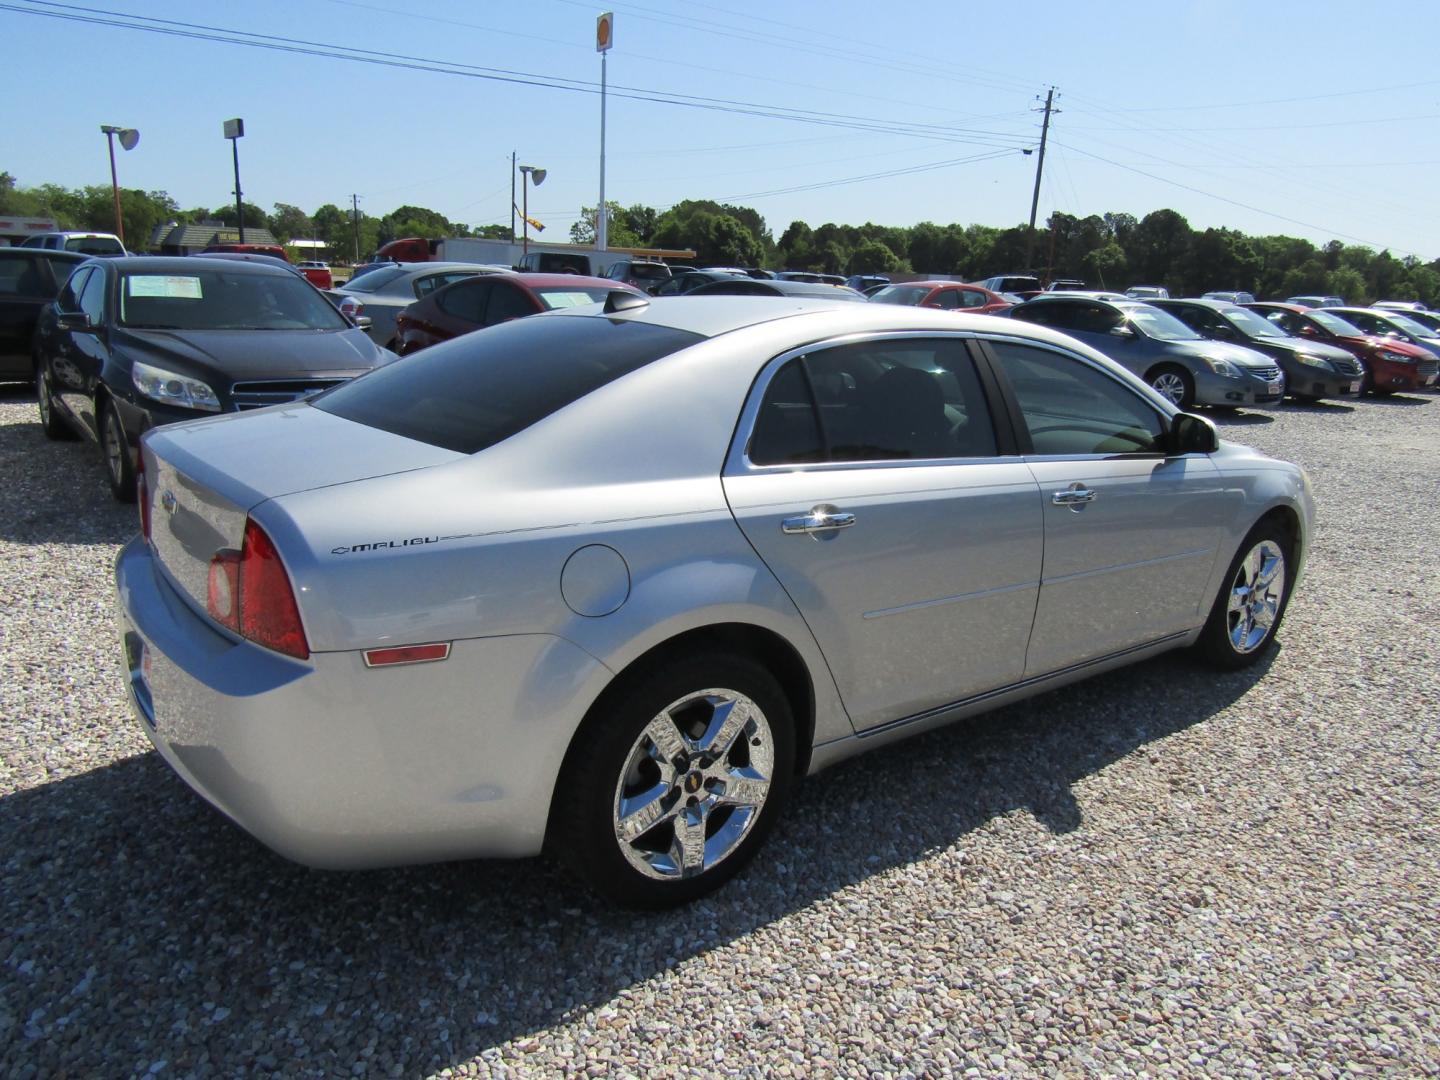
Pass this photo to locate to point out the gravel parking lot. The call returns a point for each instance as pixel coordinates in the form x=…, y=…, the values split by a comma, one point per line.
x=1158, y=871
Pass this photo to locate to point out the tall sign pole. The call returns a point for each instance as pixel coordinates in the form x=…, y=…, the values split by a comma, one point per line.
x=234, y=131
x=512, y=196
x=129, y=137
x=604, y=38
x=1039, y=168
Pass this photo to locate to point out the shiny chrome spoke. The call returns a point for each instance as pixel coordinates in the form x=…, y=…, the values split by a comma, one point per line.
x=688, y=851
x=726, y=725
x=1255, y=596
x=740, y=790
x=641, y=813
x=666, y=737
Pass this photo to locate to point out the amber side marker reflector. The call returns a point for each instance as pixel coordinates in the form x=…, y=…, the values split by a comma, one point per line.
x=407, y=654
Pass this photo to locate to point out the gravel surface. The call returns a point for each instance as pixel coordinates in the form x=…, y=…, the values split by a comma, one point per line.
x=1158, y=871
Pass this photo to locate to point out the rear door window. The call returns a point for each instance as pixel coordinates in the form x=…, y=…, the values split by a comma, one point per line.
x=470, y=393
x=465, y=301
x=506, y=303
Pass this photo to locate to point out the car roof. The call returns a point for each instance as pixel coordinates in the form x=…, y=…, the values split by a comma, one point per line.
x=1298, y=309
x=44, y=253
x=549, y=281
x=1197, y=301
x=711, y=316
x=180, y=264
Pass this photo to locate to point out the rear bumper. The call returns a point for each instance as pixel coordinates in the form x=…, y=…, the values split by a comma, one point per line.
x=336, y=765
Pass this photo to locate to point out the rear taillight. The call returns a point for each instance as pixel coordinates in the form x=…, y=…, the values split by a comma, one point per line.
x=250, y=593
x=142, y=494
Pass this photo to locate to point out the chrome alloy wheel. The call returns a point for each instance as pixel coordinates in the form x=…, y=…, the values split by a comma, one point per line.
x=694, y=784
x=114, y=440
x=1170, y=386
x=1255, y=596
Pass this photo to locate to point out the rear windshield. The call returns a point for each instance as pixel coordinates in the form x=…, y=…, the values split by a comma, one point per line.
x=94, y=245
x=650, y=271
x=373, y=280
x=477, y=390
x=901, y=294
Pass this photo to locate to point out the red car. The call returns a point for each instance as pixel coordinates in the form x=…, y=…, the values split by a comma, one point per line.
x=950, y=295
x=488, y=299
x=1390, y=365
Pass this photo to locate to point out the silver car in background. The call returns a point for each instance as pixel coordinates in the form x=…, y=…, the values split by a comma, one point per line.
x=610, y=581
x=380, y=295
x=1178, y=362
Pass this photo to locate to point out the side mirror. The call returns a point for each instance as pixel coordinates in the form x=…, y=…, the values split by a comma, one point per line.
x=1306, y=330
x=362, y=322
x=1191, y=434
x=75, y=320
x=1224, y=333
x=1122, y=331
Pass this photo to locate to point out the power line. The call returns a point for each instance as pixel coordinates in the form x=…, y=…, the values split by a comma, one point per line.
x=278, y=43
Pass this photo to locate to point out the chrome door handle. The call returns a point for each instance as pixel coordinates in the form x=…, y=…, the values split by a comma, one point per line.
x=1074, y=496
x=820, y=519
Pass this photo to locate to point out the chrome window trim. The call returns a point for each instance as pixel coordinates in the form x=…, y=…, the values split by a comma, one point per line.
x=737, y=461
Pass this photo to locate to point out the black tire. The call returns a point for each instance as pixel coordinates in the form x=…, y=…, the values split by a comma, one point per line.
x=1175, y=384
x=1367, y=381
x=611, y=746
x=1235, y=638
x=119, y=469
x=51, y=424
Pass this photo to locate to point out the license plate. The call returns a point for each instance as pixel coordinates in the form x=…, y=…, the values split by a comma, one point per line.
x=1355, y=387
x=1429, y=380
x=1273, y=388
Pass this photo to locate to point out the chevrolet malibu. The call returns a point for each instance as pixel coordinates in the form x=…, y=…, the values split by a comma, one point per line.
x=610, y=580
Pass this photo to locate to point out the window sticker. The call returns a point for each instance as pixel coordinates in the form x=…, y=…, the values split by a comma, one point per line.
x=170, y=286
x=567, y=298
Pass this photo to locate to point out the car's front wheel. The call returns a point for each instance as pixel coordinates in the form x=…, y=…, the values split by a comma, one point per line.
x=1247, y=613
x=1175, y=385
x=118, y=466
x=673, y=782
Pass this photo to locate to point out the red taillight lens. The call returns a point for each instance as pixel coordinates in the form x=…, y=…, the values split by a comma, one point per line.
x=222, y=596
x=268, y=615
x=142, y=494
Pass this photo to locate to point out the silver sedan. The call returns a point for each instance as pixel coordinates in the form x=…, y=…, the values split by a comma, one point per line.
x=611, y=581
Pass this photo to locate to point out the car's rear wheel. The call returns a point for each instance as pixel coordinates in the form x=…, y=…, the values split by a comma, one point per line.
x=674, y=780
x=1174, y=384
x=50, y=424
x=118, y=467
x=1252, y=602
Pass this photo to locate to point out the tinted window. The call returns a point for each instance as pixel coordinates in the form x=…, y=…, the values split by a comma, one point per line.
x=424, y=286
x=1072, y=408
x=912, y=399
x=219, y=299
x=465, y=301
x=786, y=431
x=372, y=280
x=68, y=300
x=475, y=391
x=23, y=278
x=92, y=298
x=649, y=272
x=508, y=302
x=94, y=245
x=947, y=298
x=1064, y=315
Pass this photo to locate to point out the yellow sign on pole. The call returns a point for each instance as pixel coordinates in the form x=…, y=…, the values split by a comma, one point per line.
x=605, y=32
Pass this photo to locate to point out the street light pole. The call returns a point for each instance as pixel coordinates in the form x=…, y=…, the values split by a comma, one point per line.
x=234, y=130
x=530, y=175
x=604, y=38
x=129, y=137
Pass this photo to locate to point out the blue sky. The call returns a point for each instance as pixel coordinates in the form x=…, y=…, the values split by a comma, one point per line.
x=1310, y=119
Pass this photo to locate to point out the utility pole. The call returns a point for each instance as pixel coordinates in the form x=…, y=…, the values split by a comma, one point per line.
x=512, y=196
x=355, y=221
x=1039, y=168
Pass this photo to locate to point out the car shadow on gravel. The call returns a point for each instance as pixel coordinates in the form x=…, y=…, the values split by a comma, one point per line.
x=57, y=491
x=134, y=910
x=1402, y=400
x=1224, y=418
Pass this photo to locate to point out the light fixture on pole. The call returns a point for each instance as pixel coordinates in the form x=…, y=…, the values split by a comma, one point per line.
x=234, y=131
x=532, y=176
x=604, y=38
x=129, y=138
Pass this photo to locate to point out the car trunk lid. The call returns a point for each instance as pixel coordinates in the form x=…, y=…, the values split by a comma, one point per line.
x=203, y=478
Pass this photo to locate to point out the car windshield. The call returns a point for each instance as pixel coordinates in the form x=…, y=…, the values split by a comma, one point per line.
x=1335, y=324
x=900, y=294
x=1251, y=324
x=223, y=300
x=1160, y=324
x=1410, y=326
x=94, y=245
x=563, y=296
x=475, y=391
x=374, y=280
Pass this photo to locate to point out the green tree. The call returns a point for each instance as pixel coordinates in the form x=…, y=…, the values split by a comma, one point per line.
x=291, y=223
x=419, y=221
x=255, y=218
x=874, y=257
x=1105, y=265
x=618, y=234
